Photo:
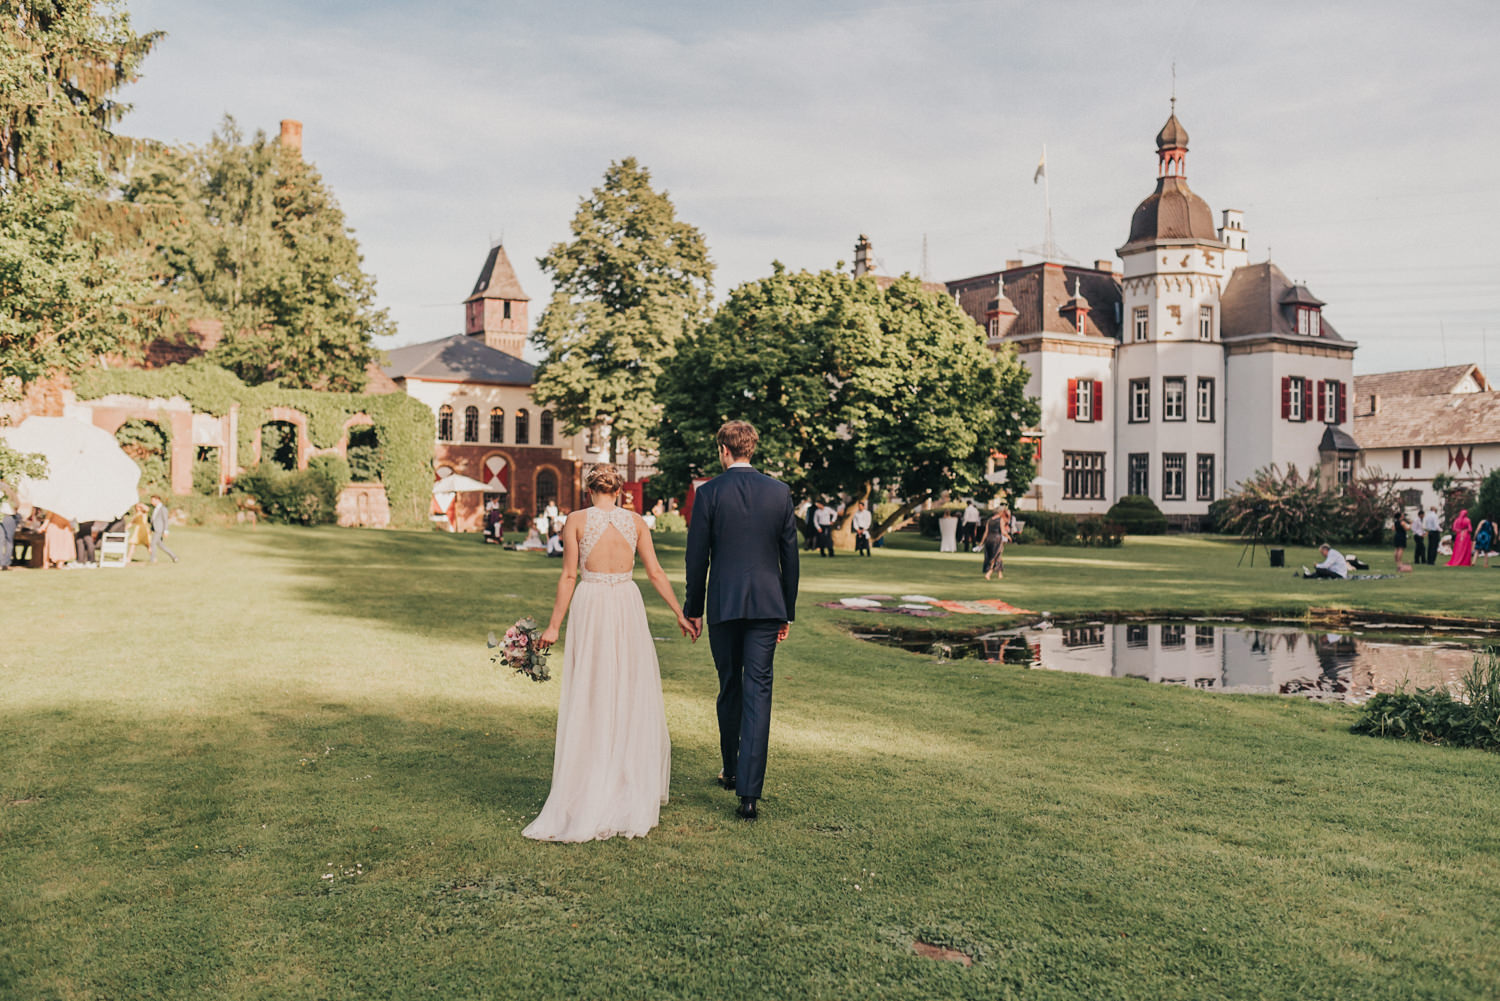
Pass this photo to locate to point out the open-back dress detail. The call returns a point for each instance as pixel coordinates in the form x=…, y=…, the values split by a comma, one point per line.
x=614, y=757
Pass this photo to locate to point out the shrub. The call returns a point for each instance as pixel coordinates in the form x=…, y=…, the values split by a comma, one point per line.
x=1096, y=531
x=1138, y=515
x=1433, y=716
x=1488, y=504
x=1292, y=509
x=206, y=472
x=206, y=510
x=301, y=497
x=149, y=444
x=1052, y=527
x=671, y=521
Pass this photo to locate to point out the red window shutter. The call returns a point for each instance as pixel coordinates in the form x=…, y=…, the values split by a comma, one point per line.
x=1286, y=397
x=1343, y=403
x=1307, y=388
x=1072, y=399
x=1322, y=400
x=1098, y=400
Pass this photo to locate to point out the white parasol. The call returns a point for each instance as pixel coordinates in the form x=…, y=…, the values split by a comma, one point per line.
x=454, y=483
x=89, y=478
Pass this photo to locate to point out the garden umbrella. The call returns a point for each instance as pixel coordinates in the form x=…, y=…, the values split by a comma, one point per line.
x=453, y=483
x=88, y=477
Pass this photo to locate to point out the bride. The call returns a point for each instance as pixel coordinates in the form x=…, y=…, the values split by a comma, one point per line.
x=613, y=757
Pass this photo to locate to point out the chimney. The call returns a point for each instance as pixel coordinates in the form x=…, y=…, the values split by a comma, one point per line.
x=291, y=135
x=1012, y=265
x=1104, y=265
x=863, y=259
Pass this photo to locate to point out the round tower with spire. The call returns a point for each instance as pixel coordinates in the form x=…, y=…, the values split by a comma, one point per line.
x=1170, y=366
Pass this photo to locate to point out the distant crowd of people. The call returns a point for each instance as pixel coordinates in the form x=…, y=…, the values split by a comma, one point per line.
x=53, y=541
x=1466, y=542
x=543, y=532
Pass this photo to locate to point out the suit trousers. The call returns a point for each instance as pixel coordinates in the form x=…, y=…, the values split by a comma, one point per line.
x=1433, y=538
x=1419, y=549
x=743, y=650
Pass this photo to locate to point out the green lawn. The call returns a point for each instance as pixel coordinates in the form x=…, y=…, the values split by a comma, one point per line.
x=285, y=769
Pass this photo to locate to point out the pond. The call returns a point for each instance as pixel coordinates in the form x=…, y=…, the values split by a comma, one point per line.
x=1265, y=658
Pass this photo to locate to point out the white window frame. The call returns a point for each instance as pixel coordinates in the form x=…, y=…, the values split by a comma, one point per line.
x=1296, y=406
x=1174, y=476
x=1174, y=398
x=1205, y=323
x=1083, y=400
x=1331, y=401
x=1206, y=391
x=1140, y=401
x=1141, y=317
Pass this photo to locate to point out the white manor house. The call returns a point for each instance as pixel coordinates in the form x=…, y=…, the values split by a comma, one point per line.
x=1178, y=375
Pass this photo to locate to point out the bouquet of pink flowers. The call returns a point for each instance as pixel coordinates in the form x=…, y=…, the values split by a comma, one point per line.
x=519, y=652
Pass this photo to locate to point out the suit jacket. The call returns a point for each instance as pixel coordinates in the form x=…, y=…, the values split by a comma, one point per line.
x=744, y=526
x=159, y=519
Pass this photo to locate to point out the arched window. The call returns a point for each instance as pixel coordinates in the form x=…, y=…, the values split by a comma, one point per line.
x=445, y=423
x=546, y=488
x=471, y=424
x=547, y=428
x=523, y=427
x=497, y=426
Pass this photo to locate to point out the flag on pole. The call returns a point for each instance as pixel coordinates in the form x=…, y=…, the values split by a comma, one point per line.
x=1041, y=167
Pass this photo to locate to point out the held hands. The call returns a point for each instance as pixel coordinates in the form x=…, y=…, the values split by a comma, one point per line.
x=548, y=637
x=692, y=628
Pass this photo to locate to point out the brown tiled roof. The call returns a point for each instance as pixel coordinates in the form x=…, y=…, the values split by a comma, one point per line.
x=1429, y=421
x=1038, y=293
x=459, y=358
x=497, y=279
x=886, y=281
x=1251, y=304
x=1172, y=212
x=1415, y=382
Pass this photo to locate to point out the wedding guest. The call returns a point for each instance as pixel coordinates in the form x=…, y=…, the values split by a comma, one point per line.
x=807, y=520
x=1334, y=565
x=1463, y=541
x=8, y=522
x=139, y=531
x=1484, y=540
x=996, y=535
x=58, y=546
x=1434, y=529
x=159, y=528
x=533, y=538
x=968, y=528
x=1418, y=538
x=1399, y=525
x=823, y=518
x=861, y=523
x=494, y=523
x=554, y=540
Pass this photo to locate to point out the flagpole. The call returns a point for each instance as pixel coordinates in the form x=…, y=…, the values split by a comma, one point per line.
x=1050, y=247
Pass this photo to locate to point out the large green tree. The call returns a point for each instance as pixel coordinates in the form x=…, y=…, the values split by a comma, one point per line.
x=850, y=385
x=632, y=282
x=248, y=232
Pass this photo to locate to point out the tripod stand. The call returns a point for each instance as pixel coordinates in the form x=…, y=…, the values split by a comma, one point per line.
x=1251, y=544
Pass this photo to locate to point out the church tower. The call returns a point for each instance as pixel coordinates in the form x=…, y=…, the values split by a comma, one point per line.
x=1169, y=370
x=495, y=312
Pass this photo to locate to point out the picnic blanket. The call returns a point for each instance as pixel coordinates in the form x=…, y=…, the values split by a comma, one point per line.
x=923, y=606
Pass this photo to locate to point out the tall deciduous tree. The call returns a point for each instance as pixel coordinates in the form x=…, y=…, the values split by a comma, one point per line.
x=632, y=282
x=849, y=384
x=249, y=233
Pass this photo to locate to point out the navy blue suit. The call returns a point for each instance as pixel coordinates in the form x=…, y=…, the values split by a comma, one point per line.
x=742, y=544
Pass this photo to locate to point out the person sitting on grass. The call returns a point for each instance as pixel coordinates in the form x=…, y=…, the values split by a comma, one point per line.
x=1333, y=566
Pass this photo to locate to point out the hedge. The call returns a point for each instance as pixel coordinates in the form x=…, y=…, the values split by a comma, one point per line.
x=1137, y=514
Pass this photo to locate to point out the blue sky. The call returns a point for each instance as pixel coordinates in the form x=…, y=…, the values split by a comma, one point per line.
x=1360, y=139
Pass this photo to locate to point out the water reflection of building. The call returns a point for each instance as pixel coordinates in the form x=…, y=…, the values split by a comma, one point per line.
x=1202, y=656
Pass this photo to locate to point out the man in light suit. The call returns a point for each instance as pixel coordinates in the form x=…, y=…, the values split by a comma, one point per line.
x=743, y=542
x=159, y=528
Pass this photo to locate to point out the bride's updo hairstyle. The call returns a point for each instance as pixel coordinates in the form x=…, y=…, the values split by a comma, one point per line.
x=604, y=478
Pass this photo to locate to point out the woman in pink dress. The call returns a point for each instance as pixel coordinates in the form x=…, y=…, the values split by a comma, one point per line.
x=1463, y=541
x=58, y=545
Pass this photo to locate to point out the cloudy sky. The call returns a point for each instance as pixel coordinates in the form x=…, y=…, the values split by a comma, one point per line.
x=1360, y=139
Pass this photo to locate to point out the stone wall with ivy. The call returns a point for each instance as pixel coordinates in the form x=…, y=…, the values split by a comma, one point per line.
x=403, y=425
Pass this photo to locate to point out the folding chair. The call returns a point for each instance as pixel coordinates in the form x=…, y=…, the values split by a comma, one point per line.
x=113, y=549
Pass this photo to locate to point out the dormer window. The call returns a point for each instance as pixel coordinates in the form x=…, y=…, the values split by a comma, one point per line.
x=1309, y=322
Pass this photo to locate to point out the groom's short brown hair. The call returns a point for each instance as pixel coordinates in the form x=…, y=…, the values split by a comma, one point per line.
x=739, y=438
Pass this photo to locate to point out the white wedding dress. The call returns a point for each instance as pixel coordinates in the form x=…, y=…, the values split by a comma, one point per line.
x=614, y=756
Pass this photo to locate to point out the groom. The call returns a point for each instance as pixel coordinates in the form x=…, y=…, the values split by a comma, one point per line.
x=744, y=526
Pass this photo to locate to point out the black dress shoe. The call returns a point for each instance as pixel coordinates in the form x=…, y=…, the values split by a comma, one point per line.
x=747, y=809
x=727, y=783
